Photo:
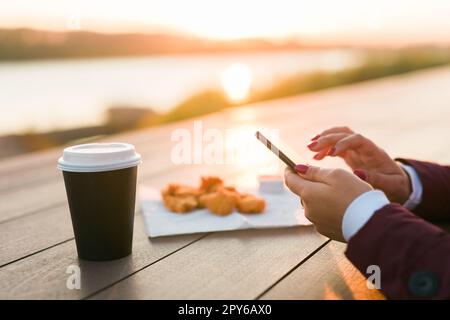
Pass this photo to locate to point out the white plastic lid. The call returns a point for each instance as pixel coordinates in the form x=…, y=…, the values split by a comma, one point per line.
x=96, y=157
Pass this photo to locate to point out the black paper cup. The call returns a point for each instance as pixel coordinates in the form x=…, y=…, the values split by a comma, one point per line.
x=100, y=182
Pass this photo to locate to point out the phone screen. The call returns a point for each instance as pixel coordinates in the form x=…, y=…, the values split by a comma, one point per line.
x=281, y=155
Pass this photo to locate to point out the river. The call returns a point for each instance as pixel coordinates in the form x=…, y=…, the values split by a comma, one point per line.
x=57, y=94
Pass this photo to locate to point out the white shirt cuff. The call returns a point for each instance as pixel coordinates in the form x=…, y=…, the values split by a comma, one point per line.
x=416, y=185
x=361, y=210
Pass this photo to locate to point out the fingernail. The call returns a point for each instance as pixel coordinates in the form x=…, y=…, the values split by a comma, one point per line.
x=317, y=136
x=312, y=144
x=301, y=168
x=317, y=156
x=361, y=174
x=331, y=152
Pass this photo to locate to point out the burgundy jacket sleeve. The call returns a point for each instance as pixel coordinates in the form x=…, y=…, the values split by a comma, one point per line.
x=435, y=179
x=413, y=255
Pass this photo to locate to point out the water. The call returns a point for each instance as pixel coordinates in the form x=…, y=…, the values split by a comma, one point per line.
x=44, y=95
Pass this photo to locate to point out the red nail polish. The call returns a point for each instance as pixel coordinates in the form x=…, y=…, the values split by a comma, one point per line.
x=317, y=156
x=331, y=152
x=312, y=144
x=361, y=174
x=317, y=136
x=301, y=168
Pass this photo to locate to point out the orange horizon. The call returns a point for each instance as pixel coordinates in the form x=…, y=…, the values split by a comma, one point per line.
x=348, y=22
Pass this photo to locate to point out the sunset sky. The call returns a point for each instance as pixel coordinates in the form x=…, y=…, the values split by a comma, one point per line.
x=318, y=21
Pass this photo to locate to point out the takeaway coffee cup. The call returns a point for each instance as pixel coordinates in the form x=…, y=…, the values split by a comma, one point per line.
x=100, y=180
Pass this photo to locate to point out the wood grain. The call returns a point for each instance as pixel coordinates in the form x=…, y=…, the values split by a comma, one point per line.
x=406, y=115
x=326, y=275
x=29, y=234
x=43, y=275
x=321, y=110
x=34, y=232
x=228, y=265
x=50, y=193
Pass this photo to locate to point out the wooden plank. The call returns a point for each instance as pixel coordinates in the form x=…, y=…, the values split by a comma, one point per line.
x=13, y=206
x=50, y=261
x=54, y=184
x=28, y=234
x=37, y=199
x=337, y=106
x=229, y=265
x=23, y=170
x=326, y=275
x=19, y=203
x=326, y=115
x=43, y=275
x=51, y=193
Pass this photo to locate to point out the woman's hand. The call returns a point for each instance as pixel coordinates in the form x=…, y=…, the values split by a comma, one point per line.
x=325, y=194
x=366, y=159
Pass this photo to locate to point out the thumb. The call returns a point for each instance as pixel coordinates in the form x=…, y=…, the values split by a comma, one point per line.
x=312, y=173
x=295, y=182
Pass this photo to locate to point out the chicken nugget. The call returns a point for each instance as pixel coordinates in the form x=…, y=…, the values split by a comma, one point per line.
x=169, y=190
x=174, y=189
x=187, y=191
x=230, y=188
x=250, y=204
x=202, y=199
x=180, y=204
x=180, y=198
x=210, y=184
x=221, y=203
x=231, y=191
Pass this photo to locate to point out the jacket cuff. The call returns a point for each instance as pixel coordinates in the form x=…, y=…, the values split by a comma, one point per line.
x=361, y=210
x=435, y=180
x=416, y=186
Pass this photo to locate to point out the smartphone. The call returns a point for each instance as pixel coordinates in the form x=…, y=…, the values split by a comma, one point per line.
x=280, y=154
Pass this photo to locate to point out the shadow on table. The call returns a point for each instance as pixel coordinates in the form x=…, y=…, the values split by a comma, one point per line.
x=341, y=279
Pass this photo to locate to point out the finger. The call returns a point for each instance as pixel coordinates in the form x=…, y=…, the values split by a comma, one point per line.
x=312, y=173
x=327, y=141
x=296, y=183
x=337, y=130
x=321, y=154
x=351, y=142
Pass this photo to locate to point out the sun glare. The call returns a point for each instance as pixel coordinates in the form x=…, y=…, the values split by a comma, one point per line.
x=236, y=81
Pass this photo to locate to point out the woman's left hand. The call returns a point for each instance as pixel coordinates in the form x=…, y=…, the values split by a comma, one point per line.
x=325, y=194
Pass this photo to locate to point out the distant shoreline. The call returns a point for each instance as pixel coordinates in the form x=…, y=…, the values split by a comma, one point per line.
x=378, y=64
x=172, y=55
x=29, y=44
x=24, y=44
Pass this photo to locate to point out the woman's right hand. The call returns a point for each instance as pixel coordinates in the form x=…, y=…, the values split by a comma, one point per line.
x=369, y=162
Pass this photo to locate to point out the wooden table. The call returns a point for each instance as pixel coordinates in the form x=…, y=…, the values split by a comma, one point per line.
x=407, y=115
